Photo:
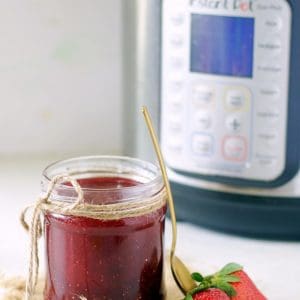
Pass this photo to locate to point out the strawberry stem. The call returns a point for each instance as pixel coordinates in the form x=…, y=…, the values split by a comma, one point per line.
x=221, y=280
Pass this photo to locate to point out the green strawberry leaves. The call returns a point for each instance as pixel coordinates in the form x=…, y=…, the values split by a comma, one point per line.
x=226, y=287
x=230, y=268
x=188, y=297
x=231, y=278
x=197, y=277
x=221, y=280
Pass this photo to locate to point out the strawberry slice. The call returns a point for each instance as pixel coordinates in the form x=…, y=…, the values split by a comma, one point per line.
x=245, y=288
x=231, y=282
x=211, y=294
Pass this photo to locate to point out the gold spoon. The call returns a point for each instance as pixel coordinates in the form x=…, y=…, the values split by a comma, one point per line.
x=180, y=272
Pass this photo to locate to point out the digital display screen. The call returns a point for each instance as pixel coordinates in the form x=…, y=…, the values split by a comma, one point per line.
x=222, y=45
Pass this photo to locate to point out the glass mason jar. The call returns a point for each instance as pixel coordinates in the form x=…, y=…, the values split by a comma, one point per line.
x=118, y=256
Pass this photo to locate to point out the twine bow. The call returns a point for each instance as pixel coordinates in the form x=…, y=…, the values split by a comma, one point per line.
x=35, y=227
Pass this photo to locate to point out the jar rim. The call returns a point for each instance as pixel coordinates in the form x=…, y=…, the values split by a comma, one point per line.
x=154, y=183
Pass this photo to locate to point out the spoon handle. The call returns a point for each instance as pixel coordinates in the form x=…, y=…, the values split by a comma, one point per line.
x=180, y=272
x=165, y=179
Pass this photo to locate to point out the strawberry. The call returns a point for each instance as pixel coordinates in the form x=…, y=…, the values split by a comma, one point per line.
x=231, y=282
x=245, y=288
x=211, y=294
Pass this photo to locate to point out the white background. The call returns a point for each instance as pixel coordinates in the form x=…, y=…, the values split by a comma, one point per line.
x=60, y=68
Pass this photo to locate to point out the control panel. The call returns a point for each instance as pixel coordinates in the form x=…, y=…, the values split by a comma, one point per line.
x=225, y=74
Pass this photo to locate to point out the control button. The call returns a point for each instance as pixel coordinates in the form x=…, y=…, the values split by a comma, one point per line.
x=175, y=124
x=176, y=63
x=271, y=68
x=272, y=47
x=234, y=123
x=234, y=148
x=175, y=145
x=177, y=40
x=272, y=24
x=175, y=127
x=176, y=84
x=269, y=93
x=237, y=98
x=267, y=7
x=269, y=116
x=202, y=144
x=176, y=105
x=177, y=19
x=202, y=95
x=266, y=160
x=268, y=139
x=202, y=121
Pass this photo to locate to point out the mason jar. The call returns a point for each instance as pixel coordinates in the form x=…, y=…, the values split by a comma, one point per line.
x=116, y=254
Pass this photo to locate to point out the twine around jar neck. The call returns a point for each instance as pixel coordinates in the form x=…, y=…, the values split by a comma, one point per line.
x=78, y=208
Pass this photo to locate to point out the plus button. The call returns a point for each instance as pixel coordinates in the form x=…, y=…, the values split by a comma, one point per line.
x=233, y=123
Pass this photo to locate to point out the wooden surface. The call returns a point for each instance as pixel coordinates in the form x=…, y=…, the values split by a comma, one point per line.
x=13, y=288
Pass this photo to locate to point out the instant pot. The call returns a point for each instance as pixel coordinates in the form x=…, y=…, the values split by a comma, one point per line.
x=221, y=79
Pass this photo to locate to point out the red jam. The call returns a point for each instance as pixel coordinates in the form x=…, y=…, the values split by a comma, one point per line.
x=104, y=259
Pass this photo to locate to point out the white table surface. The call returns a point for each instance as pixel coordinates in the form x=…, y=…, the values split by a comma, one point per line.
x=275, y=266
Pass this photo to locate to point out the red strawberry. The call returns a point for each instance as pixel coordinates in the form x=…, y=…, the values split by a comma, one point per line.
x=245, y=288
x=211, y=294
x=231, y=282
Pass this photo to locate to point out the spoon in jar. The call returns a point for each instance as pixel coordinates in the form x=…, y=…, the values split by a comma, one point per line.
x=180, y=272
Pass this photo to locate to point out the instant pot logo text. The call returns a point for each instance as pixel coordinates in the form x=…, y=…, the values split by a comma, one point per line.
x=242, y=5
